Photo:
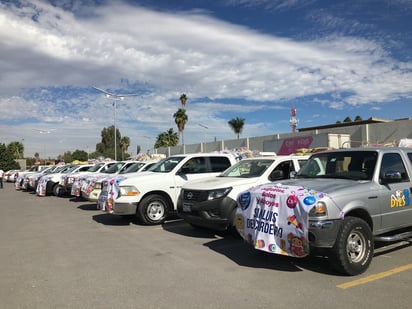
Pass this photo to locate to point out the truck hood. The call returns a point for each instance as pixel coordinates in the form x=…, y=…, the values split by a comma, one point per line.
x=331, y=186
x=135, y=179
x=219, y=182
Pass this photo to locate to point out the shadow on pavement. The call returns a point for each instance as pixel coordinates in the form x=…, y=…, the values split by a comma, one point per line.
x=245, y=255
x=183, y=228
x=88, y=207
x=108, y=219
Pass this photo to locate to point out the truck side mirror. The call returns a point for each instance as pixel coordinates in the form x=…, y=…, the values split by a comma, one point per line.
x=391, y=176
x=276, y=175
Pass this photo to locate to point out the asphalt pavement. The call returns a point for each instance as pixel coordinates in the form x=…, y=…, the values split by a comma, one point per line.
x=60, y=252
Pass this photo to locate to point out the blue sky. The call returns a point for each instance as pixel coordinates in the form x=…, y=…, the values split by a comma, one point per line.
x=254, y=59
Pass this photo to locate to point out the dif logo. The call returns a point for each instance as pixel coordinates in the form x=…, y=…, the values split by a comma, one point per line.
x=244, y=200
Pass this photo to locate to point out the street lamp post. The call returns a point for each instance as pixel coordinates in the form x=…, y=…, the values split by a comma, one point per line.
x=115, y=98
x=204, y=136
x=18, y=146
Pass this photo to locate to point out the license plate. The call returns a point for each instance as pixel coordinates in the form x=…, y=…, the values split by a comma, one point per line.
x=187, y=207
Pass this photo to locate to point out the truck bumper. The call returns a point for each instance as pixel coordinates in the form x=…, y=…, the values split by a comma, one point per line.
x=94, y=195
x=123, y=209
x=214, y=215
x=322, y=234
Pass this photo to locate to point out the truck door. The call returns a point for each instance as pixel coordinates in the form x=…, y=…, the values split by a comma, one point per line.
x=396, y=187
x=198, y=168
x=194, y=168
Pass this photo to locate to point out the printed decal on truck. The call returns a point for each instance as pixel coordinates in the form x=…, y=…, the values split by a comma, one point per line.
x=275, y=218
x=400, y=198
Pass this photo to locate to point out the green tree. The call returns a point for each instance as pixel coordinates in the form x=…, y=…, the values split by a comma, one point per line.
x=66, y=157
x=106, y=147
x=167, y=139
x=181, y=119
x=236, y=124
x=347, y=119
x=30, y=161
x=358, y=118
x=80, y=155
x=7, y=161
x=17, y=149
x=124, y=145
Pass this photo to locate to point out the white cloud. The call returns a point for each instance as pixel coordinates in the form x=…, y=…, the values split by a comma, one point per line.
x=169, y=53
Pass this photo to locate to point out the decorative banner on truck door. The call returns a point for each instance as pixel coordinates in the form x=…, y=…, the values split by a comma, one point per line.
x=275, y=218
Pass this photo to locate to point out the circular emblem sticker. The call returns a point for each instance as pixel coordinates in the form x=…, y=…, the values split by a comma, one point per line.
x=292, y=201
x=309, y=200
x=244, y=200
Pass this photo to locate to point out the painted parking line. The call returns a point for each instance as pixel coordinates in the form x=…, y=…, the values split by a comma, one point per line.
x=374, y=277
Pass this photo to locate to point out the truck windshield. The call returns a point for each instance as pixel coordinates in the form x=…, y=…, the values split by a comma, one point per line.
x=132, y=168
x=166, y=165
x=96, y=167
x=248, y=168
x=114, y=168
x=354, y=165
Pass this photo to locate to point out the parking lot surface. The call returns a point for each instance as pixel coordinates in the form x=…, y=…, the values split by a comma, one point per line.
x=59, y=252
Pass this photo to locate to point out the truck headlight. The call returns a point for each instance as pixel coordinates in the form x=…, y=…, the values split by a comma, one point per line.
x=128, y=191
x=218, y=193
x=319, y=210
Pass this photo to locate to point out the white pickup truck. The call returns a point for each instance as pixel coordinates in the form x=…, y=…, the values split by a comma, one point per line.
x=211, y=202
x=152, y=195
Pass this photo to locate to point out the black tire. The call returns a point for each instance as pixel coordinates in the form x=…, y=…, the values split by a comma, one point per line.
x=231, y=227
x=56, y=189
x=353, y=250
x=153, y=209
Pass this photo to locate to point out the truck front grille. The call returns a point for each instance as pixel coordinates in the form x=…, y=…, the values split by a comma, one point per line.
x=194, y=195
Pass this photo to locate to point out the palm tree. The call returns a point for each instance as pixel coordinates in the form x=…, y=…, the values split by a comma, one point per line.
x=172, y=137
x=167, y=139
x=181, y=119
x=183, y=99
x=236, y=124
x=124, y=144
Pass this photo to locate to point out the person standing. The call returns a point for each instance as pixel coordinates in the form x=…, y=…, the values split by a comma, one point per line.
x=1, y=178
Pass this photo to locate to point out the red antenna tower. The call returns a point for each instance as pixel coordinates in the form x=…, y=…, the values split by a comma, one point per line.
x=293, y=120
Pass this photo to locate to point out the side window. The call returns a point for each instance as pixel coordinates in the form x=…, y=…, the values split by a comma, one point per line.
x=219, y=164
x=195, y=166
x=392, y=163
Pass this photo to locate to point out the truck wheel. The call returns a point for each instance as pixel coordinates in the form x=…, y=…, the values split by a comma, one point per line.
x=153, y=209
x=353, y=250
x=56, y=189
x=232, y=227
